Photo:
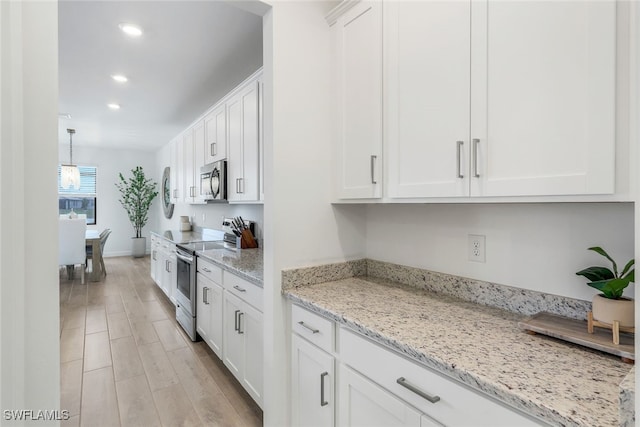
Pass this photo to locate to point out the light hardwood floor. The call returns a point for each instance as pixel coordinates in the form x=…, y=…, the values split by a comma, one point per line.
x=126, y=362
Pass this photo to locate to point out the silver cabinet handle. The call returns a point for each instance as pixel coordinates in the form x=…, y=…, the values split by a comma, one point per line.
x=373, y=167
x=237, y=187
x=322, y=401
x=476, y=143
x=192, y=191
x=204, y=295
x=211, y=150
x=236, y=315
x=309, y=328
x=175, y=194
x=240, y=331
x=404, y=383
x=238, y=288
x=206, y=269
x=215, y=148
x=459, y=158
x=241, y=185
x=154, y=256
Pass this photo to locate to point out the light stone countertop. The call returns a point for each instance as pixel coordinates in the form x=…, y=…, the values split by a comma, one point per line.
x=481, y=346
x=245, y=263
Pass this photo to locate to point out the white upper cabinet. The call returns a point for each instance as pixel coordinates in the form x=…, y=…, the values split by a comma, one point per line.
x=243, y=155
x=481, y=99
x=192, y=159
x=427, y=68
x=358, y=55
x=215, y=127
x=543, y=97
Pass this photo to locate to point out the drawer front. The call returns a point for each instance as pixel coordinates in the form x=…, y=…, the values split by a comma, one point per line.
x=243, y=289
x=209, y=270
x=313, y=327
x=456, y=404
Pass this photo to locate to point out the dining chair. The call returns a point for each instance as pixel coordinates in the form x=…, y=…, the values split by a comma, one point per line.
x=72, y=241
x=104, y=235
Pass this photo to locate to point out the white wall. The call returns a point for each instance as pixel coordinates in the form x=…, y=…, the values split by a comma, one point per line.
x=532, y=246
x=29, y=293
x=110, y=213
x=301, y=225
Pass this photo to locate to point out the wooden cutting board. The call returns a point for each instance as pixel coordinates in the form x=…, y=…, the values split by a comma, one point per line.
x=575, y=331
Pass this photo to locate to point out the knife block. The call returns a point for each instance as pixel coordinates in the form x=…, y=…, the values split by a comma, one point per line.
x=247, y=241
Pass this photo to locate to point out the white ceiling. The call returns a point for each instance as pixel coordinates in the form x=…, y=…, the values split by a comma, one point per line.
x=190, y=55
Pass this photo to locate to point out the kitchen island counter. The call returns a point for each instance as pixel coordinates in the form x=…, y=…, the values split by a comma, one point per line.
x=480, y=346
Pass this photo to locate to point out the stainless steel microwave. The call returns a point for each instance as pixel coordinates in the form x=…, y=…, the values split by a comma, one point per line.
x=213, y=181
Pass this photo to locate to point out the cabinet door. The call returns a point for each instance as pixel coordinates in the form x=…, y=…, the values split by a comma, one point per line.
x=427, y=67
x=215, y=127
x=198, y=160
x=250, y=327
x=233, y=350
x=358, y=43
x=543, y=91
x=154, y=260
x=242, y=126
x=203, y=310
x=188, y=177
x=363, y=403
x=173, y=275
x=215, y=300
x=312, y=385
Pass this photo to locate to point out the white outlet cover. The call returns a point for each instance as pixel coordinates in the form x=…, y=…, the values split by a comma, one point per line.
x=476, y=248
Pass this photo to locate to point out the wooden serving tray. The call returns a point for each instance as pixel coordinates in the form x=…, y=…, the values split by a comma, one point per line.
x=575, y=331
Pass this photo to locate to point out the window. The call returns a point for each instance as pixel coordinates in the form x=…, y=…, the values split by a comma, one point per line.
x=82, y=200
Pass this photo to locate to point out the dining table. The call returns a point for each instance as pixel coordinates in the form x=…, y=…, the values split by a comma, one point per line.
x=92, y=238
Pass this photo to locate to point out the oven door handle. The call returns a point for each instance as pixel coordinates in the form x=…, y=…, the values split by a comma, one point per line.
x=184, y=258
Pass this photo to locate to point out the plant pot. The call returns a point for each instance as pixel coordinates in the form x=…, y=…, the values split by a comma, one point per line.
x=607, y=310
x=138, y=246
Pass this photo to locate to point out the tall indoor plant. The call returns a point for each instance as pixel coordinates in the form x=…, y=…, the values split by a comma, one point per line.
x=137, y=193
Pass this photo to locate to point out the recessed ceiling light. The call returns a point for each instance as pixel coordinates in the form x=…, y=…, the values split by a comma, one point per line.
x=114, y=106
x=131, y=30
x=119, y=78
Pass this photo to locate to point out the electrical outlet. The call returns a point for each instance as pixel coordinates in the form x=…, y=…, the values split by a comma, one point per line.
x=476, y=248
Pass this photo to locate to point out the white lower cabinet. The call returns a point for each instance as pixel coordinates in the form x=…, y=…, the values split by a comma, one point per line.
x=313, y=380
x=365, y=404
x=209, y=312
x=375, y=386
x=163, y=266
x=242, y=351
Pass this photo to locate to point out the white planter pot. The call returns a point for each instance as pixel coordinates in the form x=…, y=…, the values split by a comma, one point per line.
x=607, y=310
x=138, y=246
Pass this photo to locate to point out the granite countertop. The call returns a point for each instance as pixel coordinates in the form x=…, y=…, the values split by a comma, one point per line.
x=478, y=345
x=245, y=263
x=183, y=237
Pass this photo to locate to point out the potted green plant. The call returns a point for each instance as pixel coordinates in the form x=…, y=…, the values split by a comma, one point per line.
x=137, y=193
x=610, y=305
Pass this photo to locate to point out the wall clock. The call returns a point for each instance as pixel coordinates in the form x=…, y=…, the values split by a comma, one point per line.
x=167, y=206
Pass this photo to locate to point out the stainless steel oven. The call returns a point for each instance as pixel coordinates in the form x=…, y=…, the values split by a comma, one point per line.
x=186, y=291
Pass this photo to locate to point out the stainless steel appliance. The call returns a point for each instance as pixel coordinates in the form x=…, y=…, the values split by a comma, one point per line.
x=213, y=181
x=186, y=286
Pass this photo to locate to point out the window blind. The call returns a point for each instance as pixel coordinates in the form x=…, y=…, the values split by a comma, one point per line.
x=87, y=182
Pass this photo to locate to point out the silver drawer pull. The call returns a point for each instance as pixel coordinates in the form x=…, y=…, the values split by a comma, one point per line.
x=416, y=390
x=309, y=328
x=206, y=269
x=323, y=402
x=238, y=288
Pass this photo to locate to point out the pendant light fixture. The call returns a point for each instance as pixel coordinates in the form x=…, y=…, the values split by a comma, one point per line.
x=70, y=174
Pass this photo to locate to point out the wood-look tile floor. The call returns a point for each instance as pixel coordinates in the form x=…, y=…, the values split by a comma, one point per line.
x=124, y=360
